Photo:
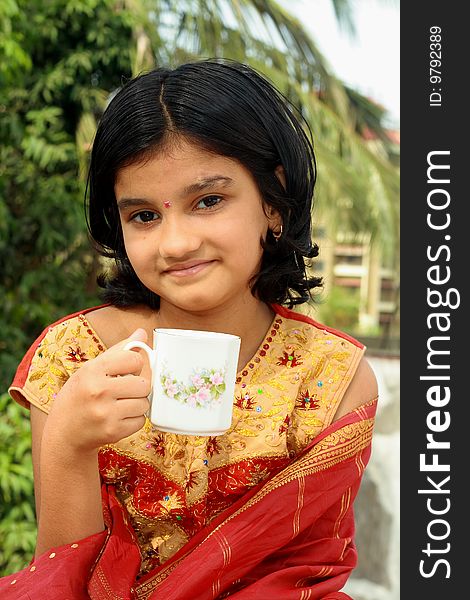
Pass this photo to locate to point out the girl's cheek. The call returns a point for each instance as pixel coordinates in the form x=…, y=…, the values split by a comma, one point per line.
x=135, y=253
x=134, y=243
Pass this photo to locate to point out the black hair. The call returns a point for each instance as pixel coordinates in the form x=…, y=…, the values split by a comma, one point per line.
x=227, y=108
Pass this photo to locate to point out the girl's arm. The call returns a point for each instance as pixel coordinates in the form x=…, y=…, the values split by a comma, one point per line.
x=67, y=488
x=362, y=389
x=101, y=403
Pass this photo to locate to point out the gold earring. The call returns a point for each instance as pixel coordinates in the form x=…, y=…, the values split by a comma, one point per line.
x=277, y=235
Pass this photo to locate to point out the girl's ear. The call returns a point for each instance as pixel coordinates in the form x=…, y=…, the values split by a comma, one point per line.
x=274, y=218
x=281, y=175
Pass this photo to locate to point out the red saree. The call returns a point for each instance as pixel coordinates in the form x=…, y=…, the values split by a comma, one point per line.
x=289, y=537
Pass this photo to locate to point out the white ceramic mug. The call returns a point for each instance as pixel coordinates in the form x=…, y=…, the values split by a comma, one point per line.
x=193, y=380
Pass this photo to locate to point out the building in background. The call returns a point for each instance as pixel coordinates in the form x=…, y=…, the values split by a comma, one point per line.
x=361, y=284
x=361, y=289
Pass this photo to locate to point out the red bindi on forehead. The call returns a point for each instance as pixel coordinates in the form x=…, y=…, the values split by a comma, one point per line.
x=167, y=204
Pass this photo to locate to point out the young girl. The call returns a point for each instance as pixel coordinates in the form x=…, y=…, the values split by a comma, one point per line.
x=200, y=187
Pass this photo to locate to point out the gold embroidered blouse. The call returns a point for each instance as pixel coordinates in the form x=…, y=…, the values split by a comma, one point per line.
x=173, y=485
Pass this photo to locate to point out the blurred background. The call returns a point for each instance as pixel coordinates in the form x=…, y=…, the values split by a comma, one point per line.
x=336, y=60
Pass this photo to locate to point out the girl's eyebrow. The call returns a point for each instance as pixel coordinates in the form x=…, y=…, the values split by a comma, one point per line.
x=207, y=182
x=124, y=203
x=197, y=186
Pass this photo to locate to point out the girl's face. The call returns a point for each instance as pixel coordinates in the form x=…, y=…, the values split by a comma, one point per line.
x=192, y=223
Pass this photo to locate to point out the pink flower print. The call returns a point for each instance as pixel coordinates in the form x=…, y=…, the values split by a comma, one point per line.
x=197, y=380
x=170, y=388
x=203, y=395
x=192, y=400
x=216, y=379
x=204, y=387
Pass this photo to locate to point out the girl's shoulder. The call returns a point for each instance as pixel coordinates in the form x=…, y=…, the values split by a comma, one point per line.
x=323, y=353
x=333, y=362
x=314, y=330
x=57, y=352
x=335, y=359
x=65, y=345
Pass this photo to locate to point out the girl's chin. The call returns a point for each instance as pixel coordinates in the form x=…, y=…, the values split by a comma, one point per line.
x=199, y=305
x=193, y=303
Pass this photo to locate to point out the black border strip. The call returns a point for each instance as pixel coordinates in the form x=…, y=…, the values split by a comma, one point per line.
x=434, y=256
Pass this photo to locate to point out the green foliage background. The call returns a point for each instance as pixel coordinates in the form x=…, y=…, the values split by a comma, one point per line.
x=56, y=57
x=59, y=61
x=17, y=517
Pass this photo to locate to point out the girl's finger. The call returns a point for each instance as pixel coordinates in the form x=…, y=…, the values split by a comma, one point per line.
x=130, y=425
x=130, y=408
x=128, y=386
x=121, y=362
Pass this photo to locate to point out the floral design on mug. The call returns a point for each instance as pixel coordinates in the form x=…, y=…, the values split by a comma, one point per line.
x=203, y=391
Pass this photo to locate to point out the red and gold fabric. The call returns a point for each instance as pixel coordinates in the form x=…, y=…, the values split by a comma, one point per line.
x=265, y=507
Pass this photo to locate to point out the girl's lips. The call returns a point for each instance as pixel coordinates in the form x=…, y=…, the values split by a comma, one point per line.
x=190, y=270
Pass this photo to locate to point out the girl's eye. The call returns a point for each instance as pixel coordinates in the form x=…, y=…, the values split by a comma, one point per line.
x=209, y=202
x=145, y=216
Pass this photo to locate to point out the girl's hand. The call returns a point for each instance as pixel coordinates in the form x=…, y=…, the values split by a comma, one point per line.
x=103, y=401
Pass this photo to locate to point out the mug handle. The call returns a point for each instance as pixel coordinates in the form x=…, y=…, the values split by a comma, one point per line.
x=150, y=354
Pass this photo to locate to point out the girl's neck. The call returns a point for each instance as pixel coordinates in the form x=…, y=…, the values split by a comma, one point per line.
x=249, y=320
x=238, y=319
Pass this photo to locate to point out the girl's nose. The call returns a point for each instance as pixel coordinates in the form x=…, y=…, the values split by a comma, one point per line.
x=177, y=238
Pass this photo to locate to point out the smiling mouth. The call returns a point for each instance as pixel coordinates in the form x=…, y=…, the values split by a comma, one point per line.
x=188, y=271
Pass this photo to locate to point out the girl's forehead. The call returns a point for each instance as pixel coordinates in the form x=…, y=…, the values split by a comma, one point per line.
x=181, y=149
x=182, y=164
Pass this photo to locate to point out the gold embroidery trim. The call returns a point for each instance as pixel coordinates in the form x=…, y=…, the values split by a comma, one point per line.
x=300, y=503
x=345, y=502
